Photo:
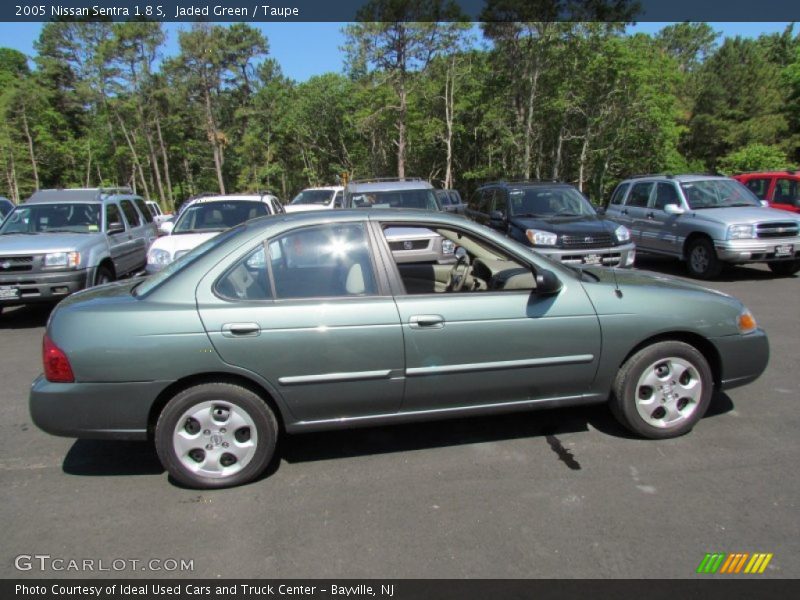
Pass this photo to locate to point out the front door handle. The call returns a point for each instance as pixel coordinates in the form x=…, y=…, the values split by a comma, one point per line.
x=241, y=330
x=426, y=322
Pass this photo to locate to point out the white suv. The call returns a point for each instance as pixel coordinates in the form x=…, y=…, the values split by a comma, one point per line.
x=316, y=198
x=202, y=220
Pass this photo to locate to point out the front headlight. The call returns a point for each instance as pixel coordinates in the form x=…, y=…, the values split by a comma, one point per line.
x=541, y=238
x=741, y=232
x=746, y=322
x=157, y=256
x=623, y=234
x=62, y=259
x=448, y=246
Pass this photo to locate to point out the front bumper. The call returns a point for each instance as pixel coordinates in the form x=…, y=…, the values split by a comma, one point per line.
x=94, y=410
x=743, y=358
x=756, y=250
x=44, y=287
x=614, y=256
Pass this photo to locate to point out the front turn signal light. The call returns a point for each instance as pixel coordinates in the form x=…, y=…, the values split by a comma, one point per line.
x=746, y=322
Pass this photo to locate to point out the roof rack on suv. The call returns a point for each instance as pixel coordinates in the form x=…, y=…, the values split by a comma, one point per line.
x=524, y=180
x=643, y=175
x=382, y=179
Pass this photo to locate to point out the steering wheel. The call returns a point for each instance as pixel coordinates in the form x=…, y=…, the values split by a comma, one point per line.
x=458, y=274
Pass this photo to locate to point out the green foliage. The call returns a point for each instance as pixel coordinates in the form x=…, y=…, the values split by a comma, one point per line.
x=754, y=157
x=578, y=100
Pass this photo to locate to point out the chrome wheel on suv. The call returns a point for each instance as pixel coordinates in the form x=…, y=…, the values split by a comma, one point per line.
x=702, y=259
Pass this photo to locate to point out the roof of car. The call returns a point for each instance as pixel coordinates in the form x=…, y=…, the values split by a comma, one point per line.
x=83, y=195
x=324, y=188
x=686, y=178
x=787, y=172
x=389, y=185
x=229, y=197
x=528, y=183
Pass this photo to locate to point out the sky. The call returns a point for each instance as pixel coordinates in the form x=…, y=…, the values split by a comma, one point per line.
x=307, y=49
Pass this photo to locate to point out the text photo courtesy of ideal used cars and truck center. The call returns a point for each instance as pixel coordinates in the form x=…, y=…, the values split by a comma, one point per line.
x=399, y=299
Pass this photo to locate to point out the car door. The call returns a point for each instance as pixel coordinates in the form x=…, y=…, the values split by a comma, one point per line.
x=659, y=229
x=480, y=348
x=315, y=319
x=138, y=235
x=786, y=194
x=119, y=239
x=636, y=208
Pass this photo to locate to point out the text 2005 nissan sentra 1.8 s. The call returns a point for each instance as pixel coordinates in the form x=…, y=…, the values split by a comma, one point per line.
x=307, y=322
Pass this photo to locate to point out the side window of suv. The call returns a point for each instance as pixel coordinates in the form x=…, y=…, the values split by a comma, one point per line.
x=113, y=217
x=500, y=201
x=337, y=200
x=146, y=214
x=478, y=201
x=666, y=194
x=619, y=193
x=787, y=192
x=759, y=186
x=130, y=213
x=640, y=194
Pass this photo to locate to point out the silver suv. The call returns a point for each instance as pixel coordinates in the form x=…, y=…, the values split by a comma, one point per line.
x=408, y=244
x=61, y=241
x=707, y=221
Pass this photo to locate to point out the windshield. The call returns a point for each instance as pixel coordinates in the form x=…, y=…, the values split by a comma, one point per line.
x=72, y=217
x=218, y=216
x=424, y=199
x=548, y=202
x=322, y=197
x=717, y=193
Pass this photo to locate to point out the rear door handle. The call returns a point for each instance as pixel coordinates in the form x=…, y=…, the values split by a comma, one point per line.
x=241, y=330
x=651, y=215
x=426, y=322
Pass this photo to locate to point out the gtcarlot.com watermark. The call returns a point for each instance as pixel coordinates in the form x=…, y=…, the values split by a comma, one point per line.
x=46, y=562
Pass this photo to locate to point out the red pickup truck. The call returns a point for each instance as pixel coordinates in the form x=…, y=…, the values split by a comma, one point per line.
x=780, y=188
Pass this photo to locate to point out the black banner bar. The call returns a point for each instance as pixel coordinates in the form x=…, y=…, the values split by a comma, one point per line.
x=413, y=10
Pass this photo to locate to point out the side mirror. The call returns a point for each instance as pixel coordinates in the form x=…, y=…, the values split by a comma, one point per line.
x=497, y=215
x=166, y=227
x=115, y=228
x=547, y=283
x=764, y=203
x=674, y=209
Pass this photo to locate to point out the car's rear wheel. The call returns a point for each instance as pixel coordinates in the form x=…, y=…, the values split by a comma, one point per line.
x=701, y=259
x=785, y=268
x=663, y=390
x=216, y=435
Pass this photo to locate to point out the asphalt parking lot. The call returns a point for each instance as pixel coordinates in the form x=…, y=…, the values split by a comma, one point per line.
x=564, y=493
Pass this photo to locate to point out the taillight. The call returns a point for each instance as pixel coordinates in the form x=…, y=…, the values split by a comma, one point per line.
x=56, y=364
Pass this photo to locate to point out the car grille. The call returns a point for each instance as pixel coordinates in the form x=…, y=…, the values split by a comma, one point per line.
x=10, y=264
x=409, y=245
x=598, y=240
x=778, y=229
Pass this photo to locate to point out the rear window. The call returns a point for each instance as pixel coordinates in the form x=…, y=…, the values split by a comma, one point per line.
x=148, y=217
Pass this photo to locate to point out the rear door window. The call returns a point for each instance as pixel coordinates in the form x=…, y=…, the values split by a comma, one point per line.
x=786, y=192
x=146, y=214
x=113, y=217
x=130, y=213
x=759, y=186
x=619, y=193
x=640, y=195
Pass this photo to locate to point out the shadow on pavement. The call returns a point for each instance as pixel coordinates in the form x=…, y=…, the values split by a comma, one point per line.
x=114, y=458
x=731, y=273
x=25, y=317
x=111, y=457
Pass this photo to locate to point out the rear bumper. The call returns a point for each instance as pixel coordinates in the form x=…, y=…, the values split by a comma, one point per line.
x=94, y=410
x=614, y=256
x=757, y=250
x=743, y=357
x=44, y=287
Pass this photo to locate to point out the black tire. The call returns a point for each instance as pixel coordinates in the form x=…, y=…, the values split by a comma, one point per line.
x=785, y=268
x=103, y=275
x=701, y=259
x=226, y=395
x=626, y=390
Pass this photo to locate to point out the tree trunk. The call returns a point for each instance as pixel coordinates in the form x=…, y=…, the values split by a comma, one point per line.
x=135, y=157
x=165, y=161
x=557, y=153
x=401, y=131
x=31, y=152
x=533, y=80
x=584, y=156
x=449, y=106
x=216, y=141
x=88, y=161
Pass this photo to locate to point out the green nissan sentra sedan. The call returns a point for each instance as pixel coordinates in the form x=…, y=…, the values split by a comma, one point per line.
x=305, y=322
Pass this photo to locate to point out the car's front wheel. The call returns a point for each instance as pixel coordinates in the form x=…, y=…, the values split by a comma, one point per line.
x=216, y=435
x=701, y=259
x=663, y=390
x=785, y=268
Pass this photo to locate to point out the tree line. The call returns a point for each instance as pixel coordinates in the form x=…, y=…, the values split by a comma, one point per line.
x=584, y=102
